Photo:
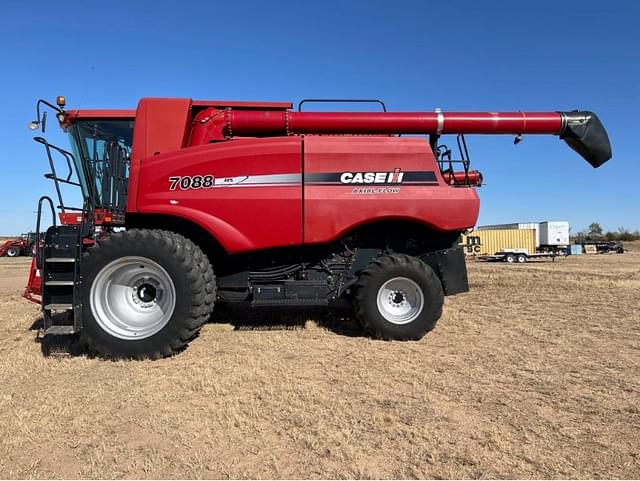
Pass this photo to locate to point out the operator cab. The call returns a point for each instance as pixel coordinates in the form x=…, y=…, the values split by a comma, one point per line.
x=101, y=143
x=102, y=149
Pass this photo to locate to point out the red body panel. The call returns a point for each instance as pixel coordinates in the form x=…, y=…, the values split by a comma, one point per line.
x=250, y=211
x=332, y=210
x=261, y=205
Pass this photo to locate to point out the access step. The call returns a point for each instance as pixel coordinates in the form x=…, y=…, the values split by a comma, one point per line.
x=60, y=330
x=59, y=259
x=58, y=307
x=58, y=283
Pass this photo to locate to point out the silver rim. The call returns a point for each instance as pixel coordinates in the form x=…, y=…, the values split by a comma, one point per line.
x=12, y=252
x=400, y=300
x=132, y=298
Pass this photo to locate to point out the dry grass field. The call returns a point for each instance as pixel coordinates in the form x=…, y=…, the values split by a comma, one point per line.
x=535, y=373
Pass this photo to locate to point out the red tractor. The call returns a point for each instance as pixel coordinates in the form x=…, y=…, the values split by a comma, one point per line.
x=23, y=246
x=191, y=203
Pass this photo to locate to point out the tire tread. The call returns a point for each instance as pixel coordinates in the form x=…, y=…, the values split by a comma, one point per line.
x=202, y=290
x=377, y=269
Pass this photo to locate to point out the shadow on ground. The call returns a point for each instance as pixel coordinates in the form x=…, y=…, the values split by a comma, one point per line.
x=56, y=345
x=339, y=320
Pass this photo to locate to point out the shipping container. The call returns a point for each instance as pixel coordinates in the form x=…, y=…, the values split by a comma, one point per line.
x=515, y=225
x=490, y=241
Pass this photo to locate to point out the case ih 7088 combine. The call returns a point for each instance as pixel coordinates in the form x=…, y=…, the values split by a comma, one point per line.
x=192, y=203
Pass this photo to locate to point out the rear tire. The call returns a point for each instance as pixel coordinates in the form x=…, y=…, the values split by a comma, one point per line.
x=398, y=297
x=510, y=258
x=13, y=252
x=146, y=294
x=522, y=258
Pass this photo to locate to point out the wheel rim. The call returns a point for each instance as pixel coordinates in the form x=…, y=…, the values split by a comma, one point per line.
x=400, y=300
x=132, y=298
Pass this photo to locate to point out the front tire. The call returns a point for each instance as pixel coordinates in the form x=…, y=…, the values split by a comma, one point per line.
x=146, y=294
x=13, y=252
x=398, y=297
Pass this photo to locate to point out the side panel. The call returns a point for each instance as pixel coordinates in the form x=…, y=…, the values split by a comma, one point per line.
x=160, y=127
x=350, y=181
x=246, y=193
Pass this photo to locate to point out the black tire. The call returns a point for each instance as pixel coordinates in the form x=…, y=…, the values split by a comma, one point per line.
x=522, y=258
x=192, y=277
x=13, y=252
x=510, y=258
x=372, y=279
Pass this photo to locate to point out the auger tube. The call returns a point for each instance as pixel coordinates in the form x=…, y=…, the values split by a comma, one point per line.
x=582, y=130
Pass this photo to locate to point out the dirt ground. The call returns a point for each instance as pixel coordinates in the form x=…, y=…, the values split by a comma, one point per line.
x=535, y=373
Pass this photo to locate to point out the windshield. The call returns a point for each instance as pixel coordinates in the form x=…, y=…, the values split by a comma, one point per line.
x=102, y=149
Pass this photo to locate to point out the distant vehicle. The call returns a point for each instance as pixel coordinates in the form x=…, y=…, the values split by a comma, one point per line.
x=553, y=236
x=604, y=246
x=19, y=247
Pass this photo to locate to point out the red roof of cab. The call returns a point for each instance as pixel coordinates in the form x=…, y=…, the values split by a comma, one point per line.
x=100, y=114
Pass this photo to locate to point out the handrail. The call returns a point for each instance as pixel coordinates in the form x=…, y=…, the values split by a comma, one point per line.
x=67, y=155
x=338, y=101
x=39, y=259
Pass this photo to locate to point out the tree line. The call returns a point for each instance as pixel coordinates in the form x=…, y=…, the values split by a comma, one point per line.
x=596, y=232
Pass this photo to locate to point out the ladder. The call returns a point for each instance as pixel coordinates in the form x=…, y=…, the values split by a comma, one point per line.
x=61, y=280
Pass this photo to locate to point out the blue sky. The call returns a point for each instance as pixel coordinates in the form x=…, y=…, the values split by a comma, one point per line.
x=416, y=55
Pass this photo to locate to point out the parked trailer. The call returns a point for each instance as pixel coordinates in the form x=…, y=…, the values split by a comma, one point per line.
x=604, y=246
x=518, y=255
x=551, y=236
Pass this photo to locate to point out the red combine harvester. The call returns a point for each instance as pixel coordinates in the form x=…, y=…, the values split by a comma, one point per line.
x=288, y=208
